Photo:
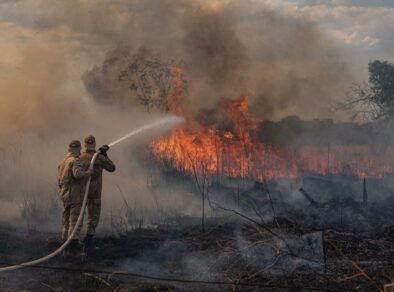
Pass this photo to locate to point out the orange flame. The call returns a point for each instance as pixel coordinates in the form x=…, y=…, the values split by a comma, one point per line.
x=230, y=148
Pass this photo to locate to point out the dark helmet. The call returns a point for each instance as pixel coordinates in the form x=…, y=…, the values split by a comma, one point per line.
x=90, y=140
x=74, y=145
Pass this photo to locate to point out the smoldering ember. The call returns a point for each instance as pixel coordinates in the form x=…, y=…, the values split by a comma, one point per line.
x=195, y=145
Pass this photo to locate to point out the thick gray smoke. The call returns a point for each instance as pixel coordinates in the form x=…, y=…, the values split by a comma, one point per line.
x=286, y=65
x=228, y=49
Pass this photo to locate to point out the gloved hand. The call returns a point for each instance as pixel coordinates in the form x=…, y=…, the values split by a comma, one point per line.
x=103, y=150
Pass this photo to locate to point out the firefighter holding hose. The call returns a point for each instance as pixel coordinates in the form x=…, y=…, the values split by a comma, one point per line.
x=71, y=181
x=70, y=177
x=94, y=195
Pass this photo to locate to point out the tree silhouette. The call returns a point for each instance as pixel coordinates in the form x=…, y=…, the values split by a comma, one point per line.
x=375, y=99
x=153, y=81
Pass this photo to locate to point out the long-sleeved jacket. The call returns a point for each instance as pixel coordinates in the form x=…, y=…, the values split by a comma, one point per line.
x=71, y=178
x=102, y=162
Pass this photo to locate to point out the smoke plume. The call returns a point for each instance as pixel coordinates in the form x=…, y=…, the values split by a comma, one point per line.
x=227, y=50
x=61, y=65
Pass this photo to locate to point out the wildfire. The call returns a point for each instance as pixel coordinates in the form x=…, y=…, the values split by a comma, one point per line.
x=225, y=143
x=193, y=147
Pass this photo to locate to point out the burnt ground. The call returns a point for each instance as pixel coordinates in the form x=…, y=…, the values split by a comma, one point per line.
x=232, y=251
x=327, y=236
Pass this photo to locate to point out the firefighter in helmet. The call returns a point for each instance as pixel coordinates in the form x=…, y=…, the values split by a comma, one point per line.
x=71, y=181
x=94, y=196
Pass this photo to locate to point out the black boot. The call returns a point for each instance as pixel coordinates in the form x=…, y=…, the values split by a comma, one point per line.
x=73, y=246
x=88, y=246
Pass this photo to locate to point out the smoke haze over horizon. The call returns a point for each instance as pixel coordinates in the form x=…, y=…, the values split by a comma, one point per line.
x=291, y=57
x=277, y=51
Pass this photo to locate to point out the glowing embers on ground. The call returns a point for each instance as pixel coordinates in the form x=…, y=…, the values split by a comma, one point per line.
x=224, y=143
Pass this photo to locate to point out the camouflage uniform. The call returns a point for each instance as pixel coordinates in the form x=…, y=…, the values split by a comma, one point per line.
x=96, y=183
x=71, y=183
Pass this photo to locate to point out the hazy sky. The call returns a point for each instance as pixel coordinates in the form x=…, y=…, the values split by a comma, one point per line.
x=296, y=57
x=48, y=36
x=363, y=28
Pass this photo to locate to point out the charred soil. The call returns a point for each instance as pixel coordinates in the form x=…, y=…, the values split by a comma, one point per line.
x=237, y=252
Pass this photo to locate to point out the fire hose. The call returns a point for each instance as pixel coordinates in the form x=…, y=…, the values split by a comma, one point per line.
x=75, y=231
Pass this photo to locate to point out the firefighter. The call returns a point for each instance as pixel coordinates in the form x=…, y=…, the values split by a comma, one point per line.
x=94, y=196
x=71, y=181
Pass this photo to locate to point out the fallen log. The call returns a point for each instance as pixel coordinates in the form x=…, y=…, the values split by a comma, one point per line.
x=312, y=201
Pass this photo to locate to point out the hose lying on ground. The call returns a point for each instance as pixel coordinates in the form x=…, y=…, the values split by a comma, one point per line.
x=85, y=198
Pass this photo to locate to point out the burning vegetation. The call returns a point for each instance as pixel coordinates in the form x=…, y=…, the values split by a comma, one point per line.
x=226, y=142
x=293, y=187
x=241, y=196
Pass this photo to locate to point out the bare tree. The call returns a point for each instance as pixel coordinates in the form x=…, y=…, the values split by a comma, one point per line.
x=360, y=102
x=203, y=180
x=375, y=99
x=154, y=82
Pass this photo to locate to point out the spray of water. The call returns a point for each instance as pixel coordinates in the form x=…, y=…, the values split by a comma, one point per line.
x=147, y=127
x=168, y=120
